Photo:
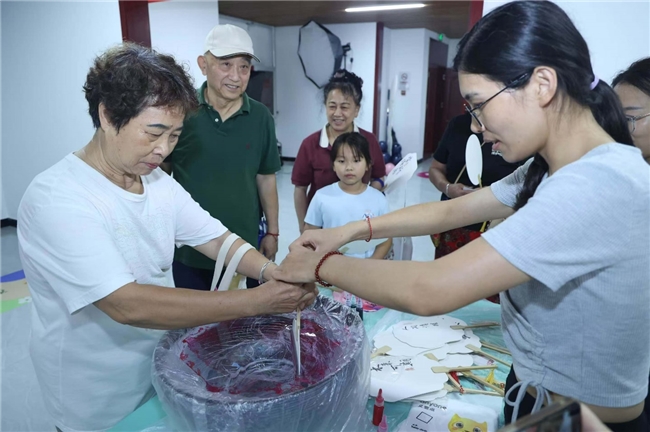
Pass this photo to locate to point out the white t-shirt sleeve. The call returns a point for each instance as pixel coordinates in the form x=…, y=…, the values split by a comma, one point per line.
x=552, y=237
x=194, y=226
x=69, y=245
x=314, y=214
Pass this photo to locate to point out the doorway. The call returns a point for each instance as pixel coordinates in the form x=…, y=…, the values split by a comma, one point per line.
x=443, y=97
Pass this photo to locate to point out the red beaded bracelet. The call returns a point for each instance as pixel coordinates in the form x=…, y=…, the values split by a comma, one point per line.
x=322, y=260
x=370, y=228
x=276, y=236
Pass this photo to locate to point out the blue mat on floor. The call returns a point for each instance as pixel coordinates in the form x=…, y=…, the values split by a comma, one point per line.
x=13, y=276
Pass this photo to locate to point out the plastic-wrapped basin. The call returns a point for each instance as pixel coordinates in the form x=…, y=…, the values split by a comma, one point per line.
x=240, y=375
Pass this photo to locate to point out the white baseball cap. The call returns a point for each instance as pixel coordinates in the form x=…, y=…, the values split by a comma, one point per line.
x=228, y=40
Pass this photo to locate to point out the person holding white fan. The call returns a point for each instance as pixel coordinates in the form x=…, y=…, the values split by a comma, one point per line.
x=448, y=173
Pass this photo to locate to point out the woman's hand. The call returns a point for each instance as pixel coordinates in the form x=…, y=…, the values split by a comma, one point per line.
x=322, y=240
x=456, y=190
x=299, y=266
x=282, y=297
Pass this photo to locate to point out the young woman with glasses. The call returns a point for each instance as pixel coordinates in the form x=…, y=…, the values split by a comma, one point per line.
x=633, y=88
x=570, y=261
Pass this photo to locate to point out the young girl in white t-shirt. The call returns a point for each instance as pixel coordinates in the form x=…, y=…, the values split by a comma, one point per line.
x=350, y=199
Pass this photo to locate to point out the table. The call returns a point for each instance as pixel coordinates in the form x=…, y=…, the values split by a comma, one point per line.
x=150, y=417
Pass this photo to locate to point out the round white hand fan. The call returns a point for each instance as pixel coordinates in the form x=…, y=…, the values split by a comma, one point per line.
x=474, y=160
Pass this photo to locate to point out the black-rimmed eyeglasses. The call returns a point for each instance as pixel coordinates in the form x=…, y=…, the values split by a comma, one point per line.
x=631, y=121
x=476, y=110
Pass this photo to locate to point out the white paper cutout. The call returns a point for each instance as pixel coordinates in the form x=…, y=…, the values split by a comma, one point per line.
x=481, y=361
x=403, y=377
x=399, y=348
x=468, y=338
x=428, y=397
x=430, y=334
x=402, y=173
x=446, y=319
x=454, y=360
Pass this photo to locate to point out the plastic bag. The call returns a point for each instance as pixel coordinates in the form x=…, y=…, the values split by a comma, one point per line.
x=239, y=375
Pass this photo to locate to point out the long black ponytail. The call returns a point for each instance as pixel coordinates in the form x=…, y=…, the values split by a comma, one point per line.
x=520, y=36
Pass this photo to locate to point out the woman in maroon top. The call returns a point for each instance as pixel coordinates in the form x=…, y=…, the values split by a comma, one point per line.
x=313, y=166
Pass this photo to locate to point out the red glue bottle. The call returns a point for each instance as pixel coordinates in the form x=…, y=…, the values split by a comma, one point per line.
x=383, y=426
x=378, y=411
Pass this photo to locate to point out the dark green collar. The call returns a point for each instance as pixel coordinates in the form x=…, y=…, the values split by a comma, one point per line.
x=245, y=107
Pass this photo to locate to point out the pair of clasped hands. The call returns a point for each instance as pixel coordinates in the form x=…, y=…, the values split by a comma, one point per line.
x=304, y=255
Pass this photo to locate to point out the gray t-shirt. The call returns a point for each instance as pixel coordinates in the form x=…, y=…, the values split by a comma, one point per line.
x=581, y=326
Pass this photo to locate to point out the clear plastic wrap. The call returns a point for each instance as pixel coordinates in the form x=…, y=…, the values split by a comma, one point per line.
x=240, y=376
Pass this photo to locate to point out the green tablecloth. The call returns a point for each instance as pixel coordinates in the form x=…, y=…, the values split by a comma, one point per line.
x=151, y=416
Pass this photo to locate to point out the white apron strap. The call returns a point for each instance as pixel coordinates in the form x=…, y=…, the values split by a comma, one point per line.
x=221, y=259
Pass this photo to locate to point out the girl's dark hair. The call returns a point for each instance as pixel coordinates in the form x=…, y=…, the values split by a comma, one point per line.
x=518, y=37
x=129, y=78
x=637, y=75
x=347, y=83
x=357, y=143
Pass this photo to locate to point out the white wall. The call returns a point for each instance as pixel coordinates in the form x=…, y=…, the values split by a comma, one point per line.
x=299, y=103
x=4, y=210
x=47, y=48
x=386, y=83
x=262, y=36
x=3, y=205
x=617, y=32
x=180, y=27
x=409, y=52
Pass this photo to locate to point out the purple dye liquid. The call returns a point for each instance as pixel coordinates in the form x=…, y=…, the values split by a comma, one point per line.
x=254, y=357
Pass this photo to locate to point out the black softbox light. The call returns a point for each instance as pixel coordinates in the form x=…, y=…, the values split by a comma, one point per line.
x=320, y=52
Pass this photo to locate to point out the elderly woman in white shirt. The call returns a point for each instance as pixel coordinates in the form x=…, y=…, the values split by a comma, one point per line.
x=96, y=236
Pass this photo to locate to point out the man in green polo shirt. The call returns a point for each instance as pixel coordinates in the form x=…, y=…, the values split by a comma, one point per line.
x=227, y=155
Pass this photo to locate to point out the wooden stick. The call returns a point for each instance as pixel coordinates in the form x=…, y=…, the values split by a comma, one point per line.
x=298, y=342
x=495, y=348
x=445, y=369
x=482, y=381
x=490, y=356
x=455, y=383
x=380, y=351
x=451, y=389
x=430, y=356
x=477, y=325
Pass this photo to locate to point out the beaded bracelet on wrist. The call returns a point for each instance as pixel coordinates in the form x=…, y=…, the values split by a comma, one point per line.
x=370, y=228
x=320, y=263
